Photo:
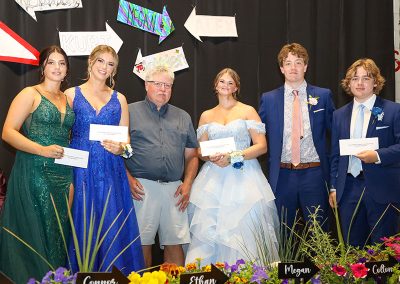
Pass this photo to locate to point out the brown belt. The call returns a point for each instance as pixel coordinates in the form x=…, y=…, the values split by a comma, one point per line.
x=300, y=166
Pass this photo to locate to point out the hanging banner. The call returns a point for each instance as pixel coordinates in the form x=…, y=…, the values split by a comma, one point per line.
x=210, y=26
x=14, y=48
x=82, y=43
x=32, y=6
x=173, y=58
x=396, y=22
x=145, y=19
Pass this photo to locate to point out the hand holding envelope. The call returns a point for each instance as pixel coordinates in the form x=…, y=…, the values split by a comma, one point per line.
x=100, y=132
x=222, y=145
x=356, y=146
x=74, y=158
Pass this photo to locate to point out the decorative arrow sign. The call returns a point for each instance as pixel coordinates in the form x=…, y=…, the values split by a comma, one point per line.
x=102, y=277
x=32, y=6
x=82, y=43
x=381, y=268
x=173, y=58
x=297, y=270
x=210, y=26
x=145, y=19
x=216, y=276
x=14, y=49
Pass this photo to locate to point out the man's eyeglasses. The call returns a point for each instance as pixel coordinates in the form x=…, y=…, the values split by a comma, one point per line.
x=159, y=85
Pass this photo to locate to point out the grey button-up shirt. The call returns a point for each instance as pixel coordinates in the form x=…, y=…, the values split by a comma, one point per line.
x=158, y=140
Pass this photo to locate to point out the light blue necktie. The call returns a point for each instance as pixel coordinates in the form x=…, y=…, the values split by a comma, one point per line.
x=355, y=163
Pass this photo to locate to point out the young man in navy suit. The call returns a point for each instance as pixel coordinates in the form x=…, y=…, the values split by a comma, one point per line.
x=372, y=176
x=297, y=117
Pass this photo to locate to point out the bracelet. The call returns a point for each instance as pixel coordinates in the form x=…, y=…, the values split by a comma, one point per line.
x=236, y=158
x=127, y=151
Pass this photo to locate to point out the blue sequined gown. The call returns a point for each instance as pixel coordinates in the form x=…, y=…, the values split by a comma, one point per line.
x=233, y=210
x=105, y=174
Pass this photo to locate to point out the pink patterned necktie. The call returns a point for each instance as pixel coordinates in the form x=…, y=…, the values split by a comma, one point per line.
x=296, y=129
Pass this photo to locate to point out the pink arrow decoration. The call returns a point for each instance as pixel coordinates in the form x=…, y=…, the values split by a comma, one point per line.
x=13, y=48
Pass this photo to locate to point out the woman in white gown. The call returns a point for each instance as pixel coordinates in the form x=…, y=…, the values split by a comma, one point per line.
x=232, y=204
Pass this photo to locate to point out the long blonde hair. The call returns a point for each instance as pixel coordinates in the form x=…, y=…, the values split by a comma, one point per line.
x=100, y=49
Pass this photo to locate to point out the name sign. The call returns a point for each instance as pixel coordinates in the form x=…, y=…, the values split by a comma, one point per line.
x=114, y=277
x=381, y=268
x=297, y=270
x=216, y=276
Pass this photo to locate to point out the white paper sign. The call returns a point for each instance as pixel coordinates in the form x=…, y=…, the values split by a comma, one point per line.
x=31, y=6
x=82, y=43
x=210, y=26
x=355, y=146
x=173, y=58
x=74, y=158
x=100, y=132
x=223, y=145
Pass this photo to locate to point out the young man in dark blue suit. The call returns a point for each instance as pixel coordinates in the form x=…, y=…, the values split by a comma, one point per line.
x=297, y=117
x=372, y=176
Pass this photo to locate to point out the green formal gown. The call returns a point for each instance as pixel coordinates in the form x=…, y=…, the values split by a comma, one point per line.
x=28, y=210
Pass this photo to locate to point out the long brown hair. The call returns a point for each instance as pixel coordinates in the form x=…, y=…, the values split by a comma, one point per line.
x=44, y=57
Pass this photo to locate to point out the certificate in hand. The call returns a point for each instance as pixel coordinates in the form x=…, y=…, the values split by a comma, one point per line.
x=222, y=145
x=355, y=146
x=100, y=132
x=74, y=158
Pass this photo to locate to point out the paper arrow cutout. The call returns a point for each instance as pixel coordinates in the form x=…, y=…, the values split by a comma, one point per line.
x=210, y=26
x=102, y=277
x=15, y=49
x=173, y=58
x=297, y=270
x=145, y=19
x=216, y=276
x=82, y=43
x=381, y=268
x=33, y=6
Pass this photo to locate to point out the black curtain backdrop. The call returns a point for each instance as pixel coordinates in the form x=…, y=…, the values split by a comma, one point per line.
x=335, y=32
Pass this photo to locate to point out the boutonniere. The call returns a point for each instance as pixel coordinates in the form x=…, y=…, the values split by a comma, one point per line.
x=312, y=101
x=378, y=113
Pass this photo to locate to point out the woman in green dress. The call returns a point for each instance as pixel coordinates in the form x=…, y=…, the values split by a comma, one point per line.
x=45, y=118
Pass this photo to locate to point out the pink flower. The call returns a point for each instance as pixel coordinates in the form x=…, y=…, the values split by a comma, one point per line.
x=339, y=270
x=359, y=270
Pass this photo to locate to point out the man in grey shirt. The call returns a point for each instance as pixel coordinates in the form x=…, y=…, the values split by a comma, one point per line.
x=164, y=149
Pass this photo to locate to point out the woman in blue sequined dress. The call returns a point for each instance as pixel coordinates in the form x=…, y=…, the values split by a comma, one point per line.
x=231, y=202
x=94, y=102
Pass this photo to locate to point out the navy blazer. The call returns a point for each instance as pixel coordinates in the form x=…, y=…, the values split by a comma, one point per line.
x=271, y=112
x=382, y=180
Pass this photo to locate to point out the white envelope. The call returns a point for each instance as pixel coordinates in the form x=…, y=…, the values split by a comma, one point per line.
x=74, y=158
x=355, y=146
x=222, y=145
x=100, y=132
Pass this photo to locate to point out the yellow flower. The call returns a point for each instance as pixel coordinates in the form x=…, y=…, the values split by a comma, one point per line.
x=191, y=266
x=160, y=276
x=134, y=278
x=207, y=268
